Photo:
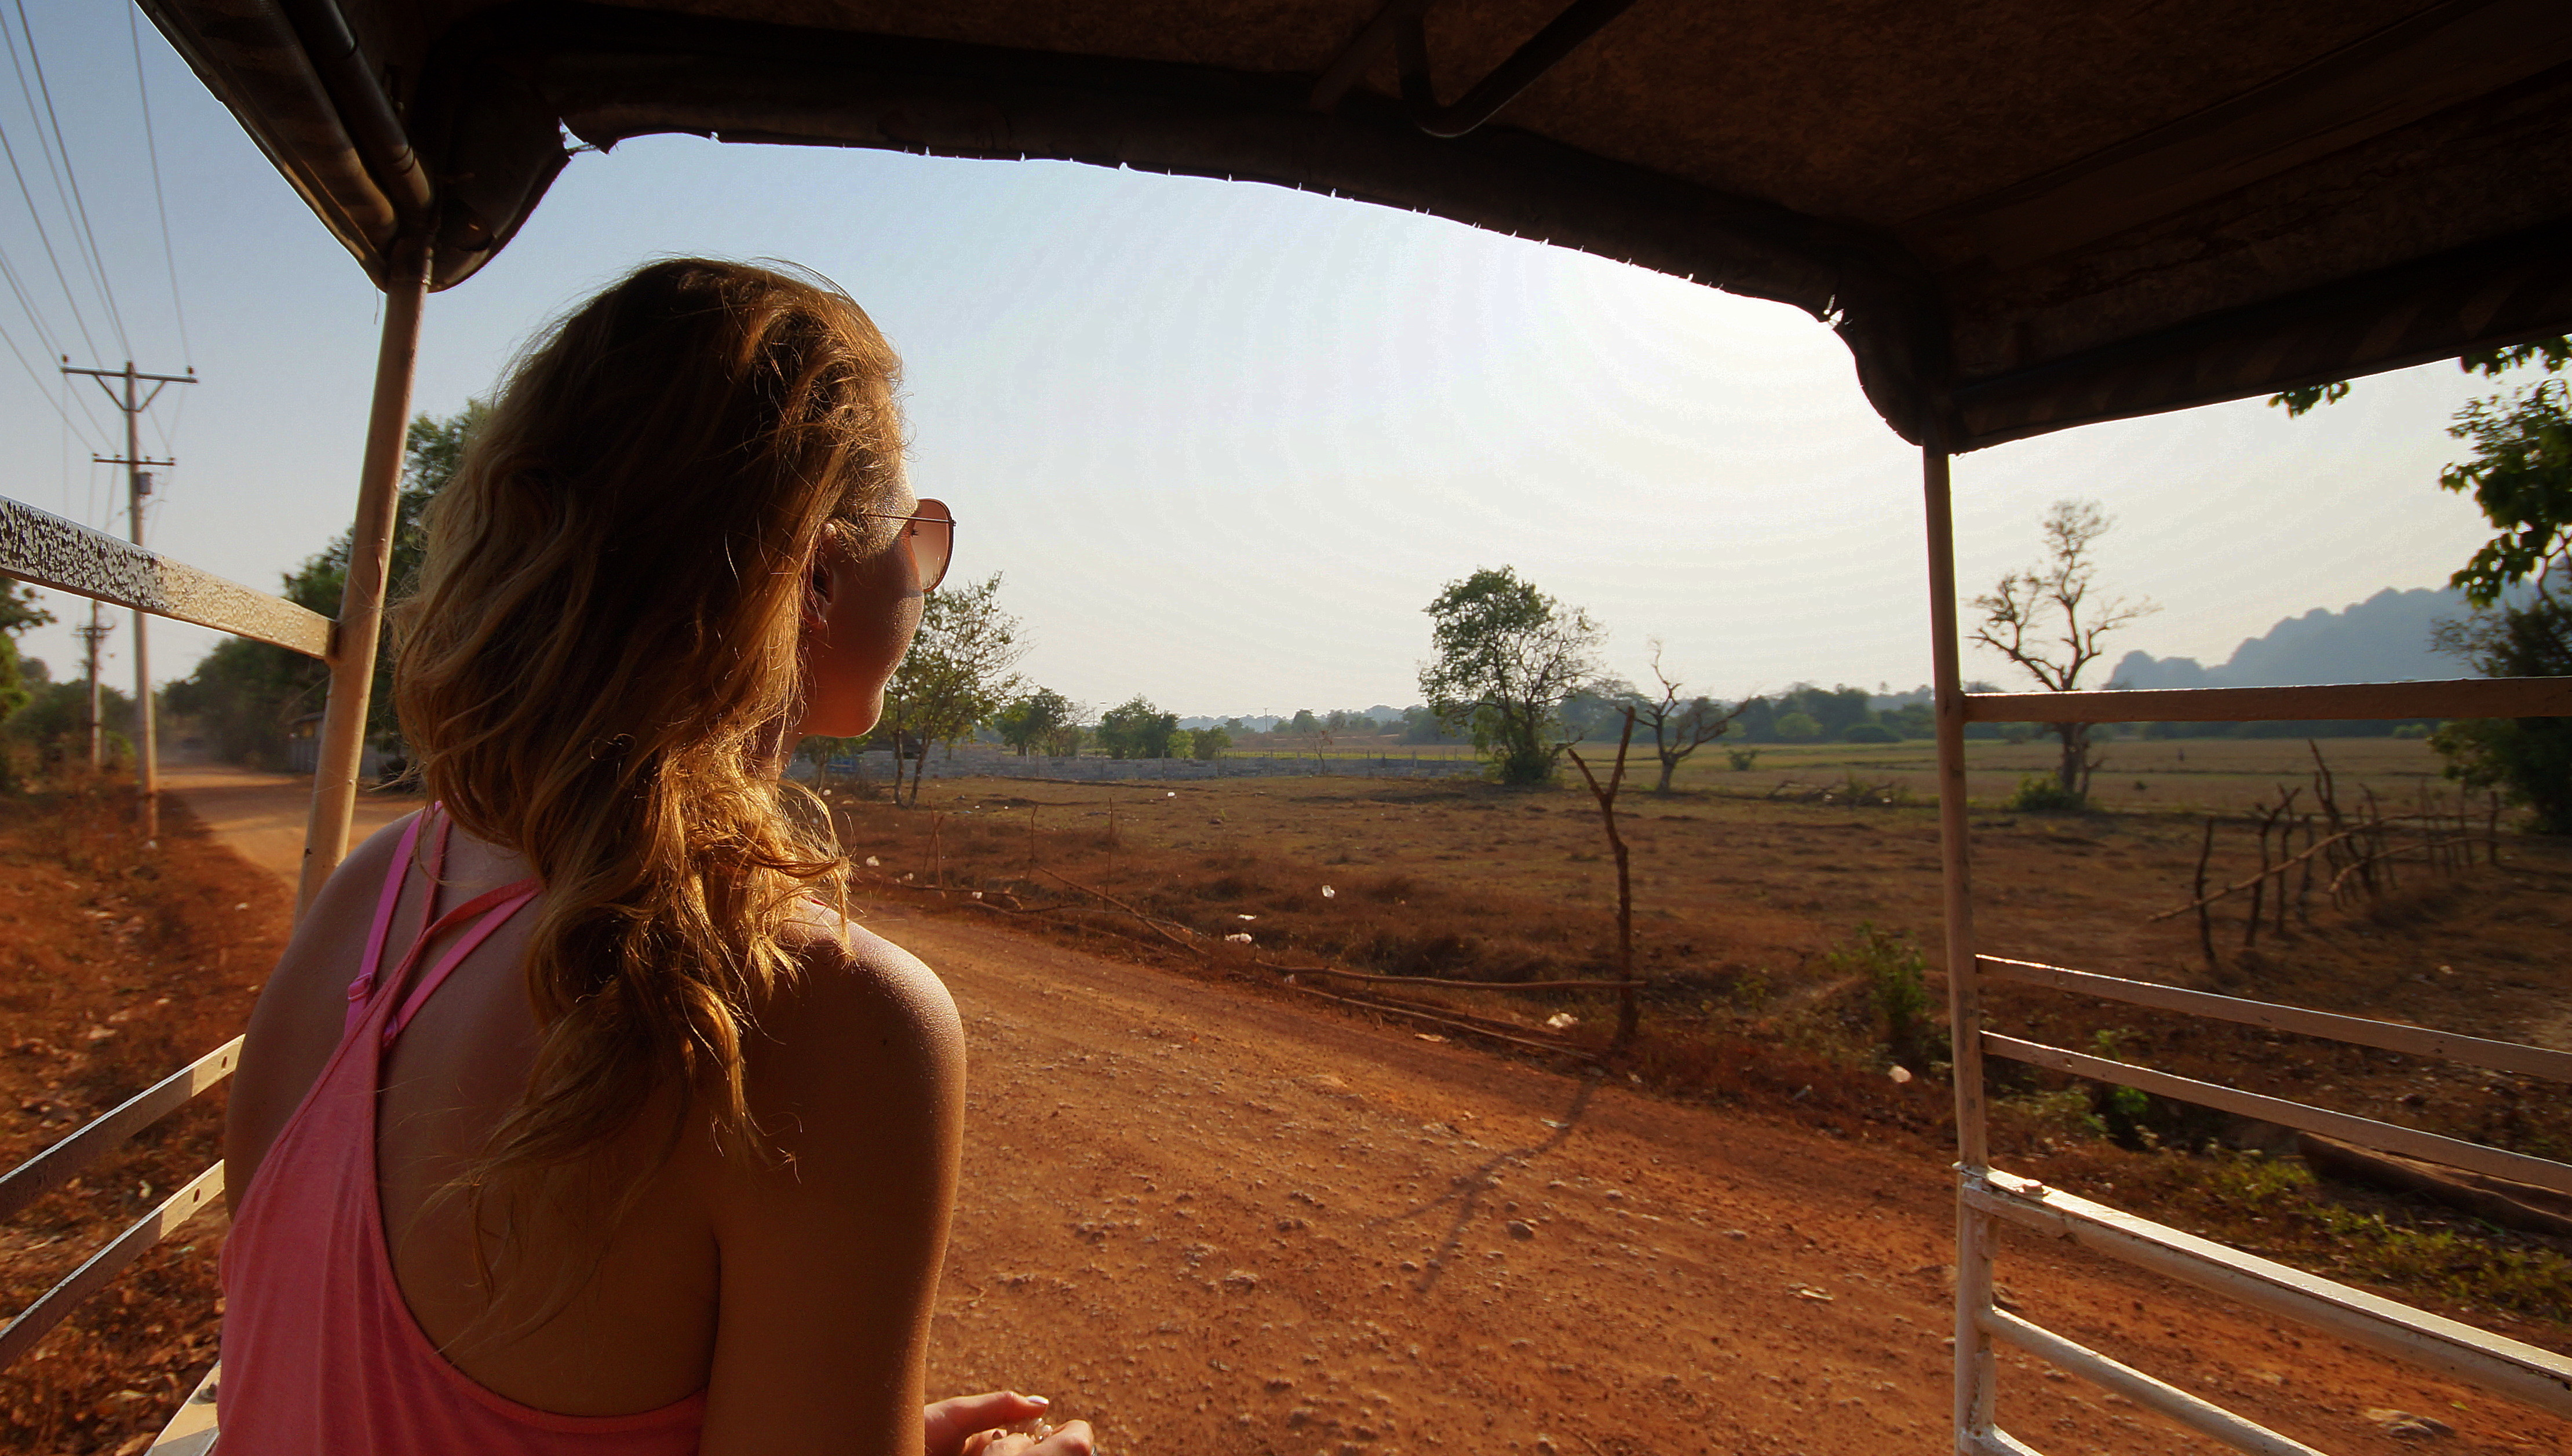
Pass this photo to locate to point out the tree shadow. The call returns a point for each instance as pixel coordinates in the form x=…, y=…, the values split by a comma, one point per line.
x=1465, y=1190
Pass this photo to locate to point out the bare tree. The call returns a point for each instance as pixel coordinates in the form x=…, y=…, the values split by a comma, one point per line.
x=2049, y=619
x=1626, y=1011
x=1680, y=724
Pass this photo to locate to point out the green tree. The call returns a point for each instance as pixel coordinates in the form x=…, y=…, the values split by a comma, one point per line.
x=2050, y=620
x=819, y=749
x=248, y=695
x=1210, y=743
x=1066, y=741
x=2529, y=760
x=2519, y=472
x=1507, y=655
x=1136, y=728
x=1796, y=727
x=1029, y=723
x=957, y=673
x=55, y=718
x=1422, y=724
x=19, y=610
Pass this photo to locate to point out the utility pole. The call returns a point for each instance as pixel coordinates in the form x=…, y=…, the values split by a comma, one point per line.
x=90, y=636
x=138, y=483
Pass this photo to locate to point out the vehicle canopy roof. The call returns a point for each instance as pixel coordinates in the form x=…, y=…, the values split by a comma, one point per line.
x=2020, y=215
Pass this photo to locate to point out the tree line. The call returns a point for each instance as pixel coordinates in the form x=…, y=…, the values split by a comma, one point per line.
x=1514, y=670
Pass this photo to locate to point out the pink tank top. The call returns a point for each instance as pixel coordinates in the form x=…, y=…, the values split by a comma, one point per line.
x=320, y=1356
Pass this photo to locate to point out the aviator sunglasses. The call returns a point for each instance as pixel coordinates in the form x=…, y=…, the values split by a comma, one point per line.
x=929, y=533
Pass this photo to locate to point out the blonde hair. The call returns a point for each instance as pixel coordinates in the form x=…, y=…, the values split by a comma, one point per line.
x=602, y=652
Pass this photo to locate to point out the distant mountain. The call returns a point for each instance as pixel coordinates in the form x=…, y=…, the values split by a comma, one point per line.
x=2384, y=638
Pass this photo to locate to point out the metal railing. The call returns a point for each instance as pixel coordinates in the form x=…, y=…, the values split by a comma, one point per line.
x=48, y=550
x=1987, y=1195
x=66, y=1159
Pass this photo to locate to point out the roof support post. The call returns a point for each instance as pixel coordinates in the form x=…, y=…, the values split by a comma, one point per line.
x=1974, y=1227
x=361, y=601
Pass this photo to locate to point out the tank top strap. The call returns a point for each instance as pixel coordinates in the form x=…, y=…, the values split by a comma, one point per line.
x=363, y=984
x=495, y=907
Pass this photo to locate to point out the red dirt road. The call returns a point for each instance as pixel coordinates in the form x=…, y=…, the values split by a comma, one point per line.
x=1210, y=1221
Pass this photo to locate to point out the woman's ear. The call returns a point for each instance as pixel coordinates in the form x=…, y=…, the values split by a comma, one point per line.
x=817, y=592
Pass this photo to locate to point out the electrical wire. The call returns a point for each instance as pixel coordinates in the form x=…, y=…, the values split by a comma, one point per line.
x=152, y=150
x=37, y=217
x=97, y=260
x=38, y=380
x=44, y=336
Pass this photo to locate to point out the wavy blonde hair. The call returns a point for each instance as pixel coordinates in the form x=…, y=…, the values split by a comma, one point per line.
x=601, y=656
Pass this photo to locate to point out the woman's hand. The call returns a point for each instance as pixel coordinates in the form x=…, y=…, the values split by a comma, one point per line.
x=1072, y=1440
x=975, y=1425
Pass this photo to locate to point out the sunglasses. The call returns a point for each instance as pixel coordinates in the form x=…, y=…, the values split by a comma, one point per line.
x=929, y=533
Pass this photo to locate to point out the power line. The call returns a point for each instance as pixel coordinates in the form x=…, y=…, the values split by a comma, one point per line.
x=152, y=150
x=97, y=260
x=44, y=336
x=37, y=217
x=38, y=380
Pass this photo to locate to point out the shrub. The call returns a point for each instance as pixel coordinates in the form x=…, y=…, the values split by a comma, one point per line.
x=2044, y=794
x=1870, y=733
x=1741, y=758
x=1897, y=974
x=1798, y=728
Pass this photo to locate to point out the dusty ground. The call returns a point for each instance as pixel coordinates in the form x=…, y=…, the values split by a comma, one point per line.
x=117, y=966
x=1740, y=903
x=1212, y=1219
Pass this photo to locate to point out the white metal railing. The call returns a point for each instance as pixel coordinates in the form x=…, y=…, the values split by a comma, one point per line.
x=48, y=550
x=64, y=1160
x=1987, y=1195
x=44, y=548
x=51, y=551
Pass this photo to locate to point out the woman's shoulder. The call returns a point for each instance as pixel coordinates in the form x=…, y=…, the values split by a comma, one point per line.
x=346, y=904
x=854, y=989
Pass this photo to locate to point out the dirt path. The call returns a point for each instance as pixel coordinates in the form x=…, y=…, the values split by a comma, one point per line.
x=262, y=816
x=1215, y=1222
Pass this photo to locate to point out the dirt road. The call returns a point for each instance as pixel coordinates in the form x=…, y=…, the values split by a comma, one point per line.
x=1211, y=1222
x=262, y=816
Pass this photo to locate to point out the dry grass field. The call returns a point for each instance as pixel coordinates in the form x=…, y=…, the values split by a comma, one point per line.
x=2136, y=775
x=1747, y=909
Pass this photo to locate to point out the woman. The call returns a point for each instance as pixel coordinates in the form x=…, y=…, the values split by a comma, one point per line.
x=574, y=1119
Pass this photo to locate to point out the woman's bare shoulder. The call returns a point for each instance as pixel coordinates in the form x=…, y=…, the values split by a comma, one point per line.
x=345, y=908
x=860, y=1018
x=843, y=967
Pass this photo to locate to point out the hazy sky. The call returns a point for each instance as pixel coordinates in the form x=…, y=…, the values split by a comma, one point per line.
x=1224, y=441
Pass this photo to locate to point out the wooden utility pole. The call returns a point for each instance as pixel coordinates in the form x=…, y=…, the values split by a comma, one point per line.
x=138, y=483
x=90, y=637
